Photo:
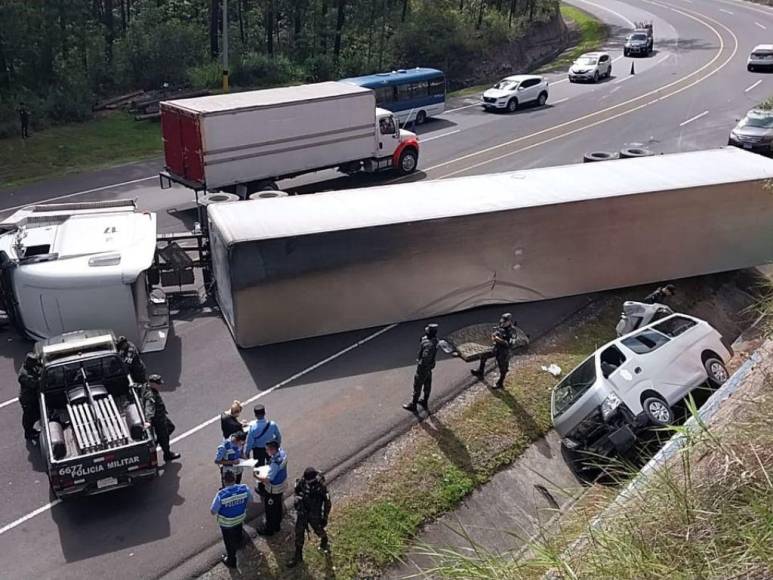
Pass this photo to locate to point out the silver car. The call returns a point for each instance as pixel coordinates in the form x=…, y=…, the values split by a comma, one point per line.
x=760, y=58
x=591, y=66
x=754, y=132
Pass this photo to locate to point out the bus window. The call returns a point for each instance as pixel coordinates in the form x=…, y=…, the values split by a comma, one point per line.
x=437, y=86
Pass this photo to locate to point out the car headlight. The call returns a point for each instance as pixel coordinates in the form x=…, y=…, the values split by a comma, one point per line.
x=734, y=135
x=610, y=404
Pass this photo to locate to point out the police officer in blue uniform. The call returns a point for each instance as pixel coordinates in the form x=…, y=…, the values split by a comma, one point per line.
x=228, y=455
x=272, y=487
x=230, y=507
x=425, y=362
x=502, y=337
x=260, y=432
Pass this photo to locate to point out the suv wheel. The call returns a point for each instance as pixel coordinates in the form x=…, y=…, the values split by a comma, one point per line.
x=716, y=371
x=609, y=72
x=542, y=99
x=512, y=105
x=596, y=77
x=658, y=411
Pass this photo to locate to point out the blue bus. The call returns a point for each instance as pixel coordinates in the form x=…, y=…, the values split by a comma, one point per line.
x=412, y=95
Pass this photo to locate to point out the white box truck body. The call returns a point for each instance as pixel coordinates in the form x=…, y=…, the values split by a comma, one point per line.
x=245, y=142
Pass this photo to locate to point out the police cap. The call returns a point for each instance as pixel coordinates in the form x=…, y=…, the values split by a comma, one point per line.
x=260, y=410
x=156, y=379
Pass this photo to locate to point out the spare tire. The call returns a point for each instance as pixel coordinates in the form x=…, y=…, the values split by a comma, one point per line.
x=632, y=152
x=133, y=420
x=267, y=194
x=220, y=196
x=594, y=156
x=58, y=444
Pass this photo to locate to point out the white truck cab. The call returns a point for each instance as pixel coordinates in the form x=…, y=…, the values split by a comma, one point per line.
x=64, y=267
x=634, y=381
x=391, y=145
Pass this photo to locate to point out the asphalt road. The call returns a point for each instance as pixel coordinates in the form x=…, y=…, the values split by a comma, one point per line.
x=338, y=397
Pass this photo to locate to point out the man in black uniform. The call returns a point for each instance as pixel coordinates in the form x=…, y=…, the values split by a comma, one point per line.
x=312, y=506
x=155, y=413
x=131, y=358
x=425, y=360
x=660, y=295
x=24, y=120
x=502, y=338
x=29, y=384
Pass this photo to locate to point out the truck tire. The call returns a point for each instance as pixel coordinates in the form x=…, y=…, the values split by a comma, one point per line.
x=134, y=422
x=408, y=161
x=58, y=443
x=631, y=152
x=594, y=156
x=268, y=194
x=658, y=411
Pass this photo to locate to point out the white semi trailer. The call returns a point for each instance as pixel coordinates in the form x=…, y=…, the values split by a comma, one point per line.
x=245, y=142
x=290, y=268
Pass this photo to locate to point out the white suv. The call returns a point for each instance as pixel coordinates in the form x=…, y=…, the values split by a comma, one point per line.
x=634, y=381
x=760, y=58
x=591, y=66
x=511, y=92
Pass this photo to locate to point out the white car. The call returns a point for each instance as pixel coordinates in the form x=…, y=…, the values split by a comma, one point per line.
x=511, y=92
x=634, y=381
x=591, y=66
x=760, y=58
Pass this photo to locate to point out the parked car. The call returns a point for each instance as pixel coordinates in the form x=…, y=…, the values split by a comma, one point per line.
x=511, y=92
x=591, y=66
x=634, y=382
x=638, y=42
x=760, y=58
x=754, y=132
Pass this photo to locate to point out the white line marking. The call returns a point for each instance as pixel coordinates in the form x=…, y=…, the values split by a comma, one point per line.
x=747, y=89
x=666, y=57
x=726, y=11
x=761, y=25
x=439, y=136
x=460, y=108
x=622, y=80
x=208, y=422
x=560, y=101
x=84, y=192
x=9, y=402
x=695, y=118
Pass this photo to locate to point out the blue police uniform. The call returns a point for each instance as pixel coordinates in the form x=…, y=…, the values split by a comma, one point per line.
x=272, y=491
x=230, y=507
x=260, y=432
x=229, y=451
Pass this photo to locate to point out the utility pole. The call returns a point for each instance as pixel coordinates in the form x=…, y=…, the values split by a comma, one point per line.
x=225, y=46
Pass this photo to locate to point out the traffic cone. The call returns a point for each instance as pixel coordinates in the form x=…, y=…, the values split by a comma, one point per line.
x=633, y=70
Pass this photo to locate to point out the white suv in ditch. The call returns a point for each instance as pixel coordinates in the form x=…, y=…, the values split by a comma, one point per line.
x=511, y=92
x=634, y=381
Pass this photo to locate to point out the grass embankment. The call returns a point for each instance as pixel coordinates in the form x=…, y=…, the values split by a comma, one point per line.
x=109, y=140
x=593, y=34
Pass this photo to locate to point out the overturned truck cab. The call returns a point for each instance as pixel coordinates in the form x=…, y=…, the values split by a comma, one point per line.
x=69, y=266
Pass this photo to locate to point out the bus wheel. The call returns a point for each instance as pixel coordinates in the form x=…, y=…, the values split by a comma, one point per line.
x=409, y=159
x=421, y=117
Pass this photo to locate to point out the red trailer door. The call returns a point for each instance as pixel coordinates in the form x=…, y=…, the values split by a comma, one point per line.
x=182, y=144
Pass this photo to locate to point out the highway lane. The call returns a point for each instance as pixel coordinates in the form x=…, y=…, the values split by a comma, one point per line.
x=323, y=413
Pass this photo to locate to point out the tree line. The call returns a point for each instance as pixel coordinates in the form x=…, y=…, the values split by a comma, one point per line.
x=60, y=56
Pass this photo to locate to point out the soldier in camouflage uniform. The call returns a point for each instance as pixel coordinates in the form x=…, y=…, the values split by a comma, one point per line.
x=422, y=380
x=29, y=387
x=312, y=505
x=502, y=339
x=131, y=358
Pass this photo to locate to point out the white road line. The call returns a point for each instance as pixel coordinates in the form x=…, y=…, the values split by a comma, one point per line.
x=625, y=19
x=208, y=422
x=84, y=192
x=747, y=89
x=726, y=11
x=560, y=101
x=665, y=57
x=695, y=118
x=622, y=80
x=439, y=136
x=461, y=108
x=9, y=402
x=761, y=25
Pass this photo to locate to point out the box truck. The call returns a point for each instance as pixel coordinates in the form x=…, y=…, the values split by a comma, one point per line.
x=290, y=268
x=245, y=142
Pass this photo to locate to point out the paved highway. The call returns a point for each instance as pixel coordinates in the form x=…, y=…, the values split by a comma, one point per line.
x=338, y=397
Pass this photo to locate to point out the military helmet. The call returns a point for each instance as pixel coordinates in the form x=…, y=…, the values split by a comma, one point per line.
x=431, y=330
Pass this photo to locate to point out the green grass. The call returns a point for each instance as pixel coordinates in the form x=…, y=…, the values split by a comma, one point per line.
x=593, y=34
x=106, y=141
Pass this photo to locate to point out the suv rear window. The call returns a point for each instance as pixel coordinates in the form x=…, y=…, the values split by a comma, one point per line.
x=675, y=326
x=645, y=341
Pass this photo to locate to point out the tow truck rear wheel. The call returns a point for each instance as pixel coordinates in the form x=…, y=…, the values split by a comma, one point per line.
x=409, y=159
x=658, y=411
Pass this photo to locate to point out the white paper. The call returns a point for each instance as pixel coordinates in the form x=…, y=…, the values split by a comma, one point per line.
x=261, y=471
x=247, y=463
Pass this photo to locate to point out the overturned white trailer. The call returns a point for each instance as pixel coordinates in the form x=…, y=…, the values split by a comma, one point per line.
x=289, y=268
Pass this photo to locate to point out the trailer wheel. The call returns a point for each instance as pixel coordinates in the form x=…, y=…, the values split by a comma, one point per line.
x=594, y=156
x=632, y=152
x=409, y=159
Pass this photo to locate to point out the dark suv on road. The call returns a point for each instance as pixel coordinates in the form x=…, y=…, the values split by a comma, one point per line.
x=754, y=132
